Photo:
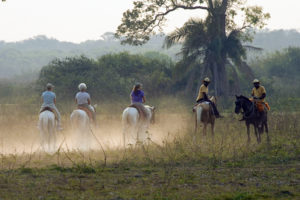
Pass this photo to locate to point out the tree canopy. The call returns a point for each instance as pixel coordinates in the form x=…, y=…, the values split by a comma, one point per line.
x=212, y=40
x=149, y=16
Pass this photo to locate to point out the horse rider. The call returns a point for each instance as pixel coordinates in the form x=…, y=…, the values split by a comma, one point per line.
x=83, y=100
x=49, y=101
x=203, y=96
x=258, y=92
x=137, y=94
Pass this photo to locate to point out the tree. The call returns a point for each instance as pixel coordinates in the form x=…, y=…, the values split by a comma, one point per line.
x=212, y=40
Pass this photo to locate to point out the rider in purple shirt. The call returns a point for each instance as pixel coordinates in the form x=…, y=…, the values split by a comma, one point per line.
x=137, y=95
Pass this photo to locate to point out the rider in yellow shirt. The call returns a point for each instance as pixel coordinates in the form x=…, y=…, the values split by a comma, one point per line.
x=258, y=92
x=203, y=96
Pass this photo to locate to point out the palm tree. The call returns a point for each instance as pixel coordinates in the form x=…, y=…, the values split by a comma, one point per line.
x=201, y=44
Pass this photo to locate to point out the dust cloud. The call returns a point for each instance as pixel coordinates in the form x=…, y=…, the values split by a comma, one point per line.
x=19, y=133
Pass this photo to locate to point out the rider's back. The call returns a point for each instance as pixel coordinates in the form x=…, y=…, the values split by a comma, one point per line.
x=48, y=98
x=82, y=98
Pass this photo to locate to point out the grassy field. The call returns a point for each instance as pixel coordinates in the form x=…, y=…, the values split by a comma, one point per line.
x=174, y=165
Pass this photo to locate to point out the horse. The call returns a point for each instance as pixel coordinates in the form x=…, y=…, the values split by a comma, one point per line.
x=80, y=122
x=251, y=115
x=204, y=113
x=47, y=127
x=136, y=120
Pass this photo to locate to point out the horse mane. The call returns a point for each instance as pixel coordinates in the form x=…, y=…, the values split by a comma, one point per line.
x=245, y=98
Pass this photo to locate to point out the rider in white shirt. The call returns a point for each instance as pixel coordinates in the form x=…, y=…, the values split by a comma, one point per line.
x=83, y=99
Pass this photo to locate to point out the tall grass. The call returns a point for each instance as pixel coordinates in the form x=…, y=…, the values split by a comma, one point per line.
x=181, y=147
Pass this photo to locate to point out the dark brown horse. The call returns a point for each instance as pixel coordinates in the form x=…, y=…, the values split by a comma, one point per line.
x=251, y=115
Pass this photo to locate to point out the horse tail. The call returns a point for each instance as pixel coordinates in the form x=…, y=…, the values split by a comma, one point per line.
x=79, y=119
x=124, y=125
x=43, y=122
x=199, y=110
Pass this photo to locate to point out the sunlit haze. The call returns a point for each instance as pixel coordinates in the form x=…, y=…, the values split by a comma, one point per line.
x=77, y=21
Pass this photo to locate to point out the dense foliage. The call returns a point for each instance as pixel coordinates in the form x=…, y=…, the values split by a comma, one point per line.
x=111, y=76
x=280, y=73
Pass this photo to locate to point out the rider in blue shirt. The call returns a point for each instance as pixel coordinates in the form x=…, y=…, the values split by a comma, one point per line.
x=137, y=95
x=49, y=101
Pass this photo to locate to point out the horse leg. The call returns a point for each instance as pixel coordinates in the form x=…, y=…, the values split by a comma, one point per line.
x=49, y=131
x=248, y=133
x=42, y=134
x=213, y=131
x=196, y=124
x=196, y=128
x=50, y=137
x=54, y=141
x=267, y=131
x=257, y=133
x=124, y=134
x=204, y=129
x=143, y=132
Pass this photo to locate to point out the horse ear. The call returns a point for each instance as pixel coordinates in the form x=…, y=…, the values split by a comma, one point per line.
x=153, y=108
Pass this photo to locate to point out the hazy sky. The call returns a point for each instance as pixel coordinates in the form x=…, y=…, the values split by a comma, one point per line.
x=80, y=20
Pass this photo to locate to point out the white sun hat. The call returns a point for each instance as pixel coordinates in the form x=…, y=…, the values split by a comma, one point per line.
x=82, y=86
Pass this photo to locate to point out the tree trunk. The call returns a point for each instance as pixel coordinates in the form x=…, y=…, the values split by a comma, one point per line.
x=218, y=59
x=189, y=85
x=220, y=78
x=223, y=81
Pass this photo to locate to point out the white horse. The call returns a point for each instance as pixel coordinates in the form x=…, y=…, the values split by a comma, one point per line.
x=80, y=122
x=47, y=127
x=81, y=126
x=135, y=126
x=204, y=114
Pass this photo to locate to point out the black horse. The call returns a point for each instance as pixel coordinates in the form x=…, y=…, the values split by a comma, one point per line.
x=251, y=115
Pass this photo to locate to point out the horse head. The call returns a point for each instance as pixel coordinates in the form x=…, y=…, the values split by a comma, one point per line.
x=238, y=105
x=152, y=109
x=213, y=99
x=242, y=102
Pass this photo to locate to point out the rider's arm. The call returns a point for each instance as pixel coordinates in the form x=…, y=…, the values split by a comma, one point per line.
x=144, y=99
x=205, y=95
x=252, y=92
x=89, y=101
x=263, y=96
x=199, y=94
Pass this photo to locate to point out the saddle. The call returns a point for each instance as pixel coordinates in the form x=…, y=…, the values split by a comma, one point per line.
x=88, y=112
x=206, y=103
x=143, y=114
x=262, y=106
x=49, y=109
